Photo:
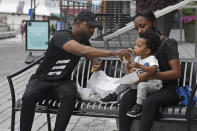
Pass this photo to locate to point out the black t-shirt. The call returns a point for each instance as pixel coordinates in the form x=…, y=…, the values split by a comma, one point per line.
x=167, y=52
x=57, y=64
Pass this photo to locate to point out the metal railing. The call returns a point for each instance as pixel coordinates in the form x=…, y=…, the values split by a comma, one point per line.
x=158, y=14
x=130, y=26
x=112, y=17
x=120, y=35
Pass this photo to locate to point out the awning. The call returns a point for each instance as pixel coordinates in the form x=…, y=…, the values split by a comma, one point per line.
x=12, y=8
x=8, y=8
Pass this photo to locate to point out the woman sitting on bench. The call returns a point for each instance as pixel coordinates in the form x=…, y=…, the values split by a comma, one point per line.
x=170, y=71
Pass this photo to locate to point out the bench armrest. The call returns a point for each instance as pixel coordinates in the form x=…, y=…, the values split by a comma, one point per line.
x=189, y=107
x=26, y=68
x=18, y=73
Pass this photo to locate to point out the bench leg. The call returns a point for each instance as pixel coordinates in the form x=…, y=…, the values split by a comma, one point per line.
x=117, y=123
x=49, y=121
x=13, y=120
x=188, y=125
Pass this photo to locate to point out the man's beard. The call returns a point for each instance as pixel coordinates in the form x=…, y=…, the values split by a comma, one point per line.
x=86, y=37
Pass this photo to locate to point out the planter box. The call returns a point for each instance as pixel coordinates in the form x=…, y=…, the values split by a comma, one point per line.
x=189, y=32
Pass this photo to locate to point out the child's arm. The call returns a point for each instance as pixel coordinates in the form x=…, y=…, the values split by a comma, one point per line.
x=149, y=69
x=126, y=67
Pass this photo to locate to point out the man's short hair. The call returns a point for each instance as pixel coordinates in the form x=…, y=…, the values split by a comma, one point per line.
x=152, y=40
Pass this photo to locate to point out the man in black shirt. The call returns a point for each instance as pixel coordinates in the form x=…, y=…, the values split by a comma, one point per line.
x=52, y=78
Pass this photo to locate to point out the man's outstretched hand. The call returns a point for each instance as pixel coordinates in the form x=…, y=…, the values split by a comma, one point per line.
x=121, y=53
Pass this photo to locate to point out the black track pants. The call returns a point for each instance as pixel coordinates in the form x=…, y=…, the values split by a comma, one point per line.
x=64, y=91
x=164, y=97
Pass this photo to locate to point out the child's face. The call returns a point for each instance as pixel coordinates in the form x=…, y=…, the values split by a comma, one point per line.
x=141, y=49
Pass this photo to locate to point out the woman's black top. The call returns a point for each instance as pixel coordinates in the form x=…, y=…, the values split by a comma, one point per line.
x=167, y=51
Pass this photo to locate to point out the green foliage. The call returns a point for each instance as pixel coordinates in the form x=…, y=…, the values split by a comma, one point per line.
x=189, y=14
x=52, y=28
x=189, y=11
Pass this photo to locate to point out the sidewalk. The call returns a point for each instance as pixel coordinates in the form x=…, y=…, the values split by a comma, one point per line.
x=12, y=55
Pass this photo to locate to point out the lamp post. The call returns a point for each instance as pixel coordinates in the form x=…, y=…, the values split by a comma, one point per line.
x=60, y=14
x=30, y=58
x=195, y=32
x=33, y=9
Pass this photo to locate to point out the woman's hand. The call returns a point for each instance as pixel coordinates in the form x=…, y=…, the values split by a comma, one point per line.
x=131, y=70
x=131, y=67
x=143, y=77
x=135, y=65
x=174, y=73
x=96, y=64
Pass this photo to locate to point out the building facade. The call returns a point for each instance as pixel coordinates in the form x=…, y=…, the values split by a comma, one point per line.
x=17, y=10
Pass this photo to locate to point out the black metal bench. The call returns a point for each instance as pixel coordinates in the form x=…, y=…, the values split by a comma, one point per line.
x=114, y=68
